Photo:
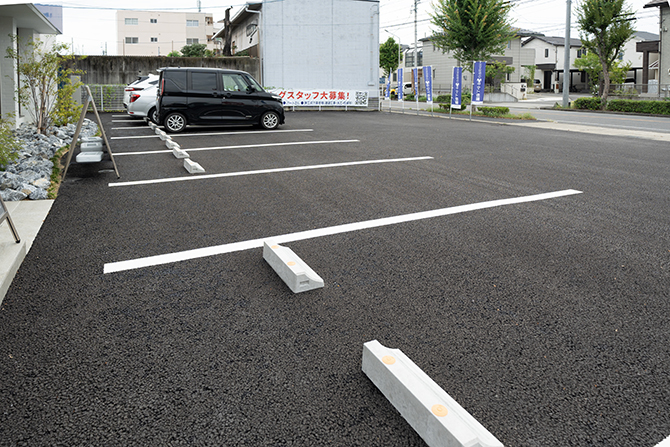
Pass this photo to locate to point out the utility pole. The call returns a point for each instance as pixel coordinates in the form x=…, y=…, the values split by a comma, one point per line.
x=566, y=64
x=416, y=61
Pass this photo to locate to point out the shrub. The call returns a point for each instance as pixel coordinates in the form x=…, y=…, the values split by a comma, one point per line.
x=9, y=146
x=650, y=107
x=466, y=97
x=493, y=111
x=588, y=103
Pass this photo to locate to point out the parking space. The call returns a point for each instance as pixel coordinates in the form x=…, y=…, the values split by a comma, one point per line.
x=525, y=271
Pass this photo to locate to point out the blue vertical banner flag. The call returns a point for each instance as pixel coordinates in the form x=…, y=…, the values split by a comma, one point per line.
x=415, y=72
x=388, y=86
x=456, y=88
x=478, y=81
x=400, y=83
x=428, y=82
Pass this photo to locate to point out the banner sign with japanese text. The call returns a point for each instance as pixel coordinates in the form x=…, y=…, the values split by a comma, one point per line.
x=388, y=87
x=415, y=73
x=400, y=84
x=428, y=82
x=456, y=88
x=478, y=80
x=318, y=97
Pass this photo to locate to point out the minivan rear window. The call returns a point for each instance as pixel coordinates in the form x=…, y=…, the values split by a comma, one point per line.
x=175, y=80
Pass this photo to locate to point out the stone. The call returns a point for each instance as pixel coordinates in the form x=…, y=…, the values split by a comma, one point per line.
x=10, y=195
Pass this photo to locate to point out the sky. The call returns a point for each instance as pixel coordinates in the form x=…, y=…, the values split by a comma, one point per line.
x=89, y=25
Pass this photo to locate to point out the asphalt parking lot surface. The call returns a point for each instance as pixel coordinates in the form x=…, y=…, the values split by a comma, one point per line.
x=547, y=320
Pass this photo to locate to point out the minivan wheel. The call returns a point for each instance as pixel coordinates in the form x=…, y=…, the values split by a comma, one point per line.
x=153, y=115
x=270, y=120
x=175, y=122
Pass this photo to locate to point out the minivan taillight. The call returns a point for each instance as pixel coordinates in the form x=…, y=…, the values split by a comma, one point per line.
x=134, y=97
x=162, y=86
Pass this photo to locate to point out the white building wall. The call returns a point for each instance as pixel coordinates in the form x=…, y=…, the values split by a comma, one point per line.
x=7, y=70
x=325, y=44
x=664, y=68
x=169, y=31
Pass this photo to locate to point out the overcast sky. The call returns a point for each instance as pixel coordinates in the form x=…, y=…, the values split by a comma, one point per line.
x=90, y=24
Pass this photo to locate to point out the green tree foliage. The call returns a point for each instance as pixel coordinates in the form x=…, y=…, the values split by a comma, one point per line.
x=388, y=56
x=472, y=30
x=40, y=69
x=174, y=54
x=606, y=25
x=590, y=63
x=9, y=146
x=529, y=74
x=194, y=50
x=497, y=72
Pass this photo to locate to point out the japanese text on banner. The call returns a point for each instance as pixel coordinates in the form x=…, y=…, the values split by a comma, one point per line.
x=318, y=97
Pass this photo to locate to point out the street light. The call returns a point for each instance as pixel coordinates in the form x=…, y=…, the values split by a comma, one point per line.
x=399, y=46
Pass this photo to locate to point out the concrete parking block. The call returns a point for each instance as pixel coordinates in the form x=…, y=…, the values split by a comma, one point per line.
x=89, y=157
x=192, y=167
x=290, y=268
x=172, y=144
x=93, y=146
x=435, y=415
x=178, y=153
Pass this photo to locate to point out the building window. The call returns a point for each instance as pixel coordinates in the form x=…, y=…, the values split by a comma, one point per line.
x=509, y=44
x=154, y=39
x=132, y=21
x=132, y=39
x=546, y=52
x=191, y=41
x=153, y=20
x=192, y=23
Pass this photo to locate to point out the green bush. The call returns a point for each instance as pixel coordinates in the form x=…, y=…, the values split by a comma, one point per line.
x=587, y=103
x=443, y=98
x=466, y=97
x=409, y=97
x=493, y=111
x=650, y=107
x=9, y=146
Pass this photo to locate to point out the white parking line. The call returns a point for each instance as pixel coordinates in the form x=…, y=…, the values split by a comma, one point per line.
x=664, y=443
x=138, y=121
x=263, y=171
x=206, y=134
x=242, y=146
x=327, y=231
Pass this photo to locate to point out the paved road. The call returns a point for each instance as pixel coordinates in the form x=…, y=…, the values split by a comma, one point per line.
x=547, y=320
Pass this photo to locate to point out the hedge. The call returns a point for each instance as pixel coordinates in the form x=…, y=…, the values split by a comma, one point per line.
x=446, y=99
x=493, y=111
x=625, y=105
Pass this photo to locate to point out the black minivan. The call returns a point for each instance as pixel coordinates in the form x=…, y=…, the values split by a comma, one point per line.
x=214, y=96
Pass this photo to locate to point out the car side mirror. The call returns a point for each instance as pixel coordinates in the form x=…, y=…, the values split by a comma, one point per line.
x=250, y=89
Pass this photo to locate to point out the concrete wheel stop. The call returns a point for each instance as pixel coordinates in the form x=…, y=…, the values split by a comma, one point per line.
x=435, y=415
x=297, y=275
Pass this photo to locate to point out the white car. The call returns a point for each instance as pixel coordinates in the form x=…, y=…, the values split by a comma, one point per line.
x=142, y=103
x=139, y=85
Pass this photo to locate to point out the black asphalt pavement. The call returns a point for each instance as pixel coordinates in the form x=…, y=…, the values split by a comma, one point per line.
x=548, y=321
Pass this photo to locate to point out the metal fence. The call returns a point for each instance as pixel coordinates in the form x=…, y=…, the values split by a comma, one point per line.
x=107, y=97
x=640, y=91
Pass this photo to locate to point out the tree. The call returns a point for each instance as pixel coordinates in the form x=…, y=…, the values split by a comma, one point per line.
x=44, y=87
x=606, y=25
x=594, y=69
x=174, y=54
x=497, y=71
x=472, y=29
x=389, y=56
x=194, y=50
x=529, y=74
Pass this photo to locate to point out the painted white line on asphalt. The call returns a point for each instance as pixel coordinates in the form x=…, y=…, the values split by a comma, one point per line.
x=138, y=121
x=327, y=231
x=664, y=443
x=241, y=146
x=264, y=171
x=260, y=132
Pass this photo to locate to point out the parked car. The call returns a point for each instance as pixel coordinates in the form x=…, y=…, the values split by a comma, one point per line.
x=537, y=85
x=142, y=103
x=406, y=90
x=210, y=96
x=140, y=84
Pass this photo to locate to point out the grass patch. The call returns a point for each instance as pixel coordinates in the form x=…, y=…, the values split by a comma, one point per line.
x=56, y=177
x=444, y=108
